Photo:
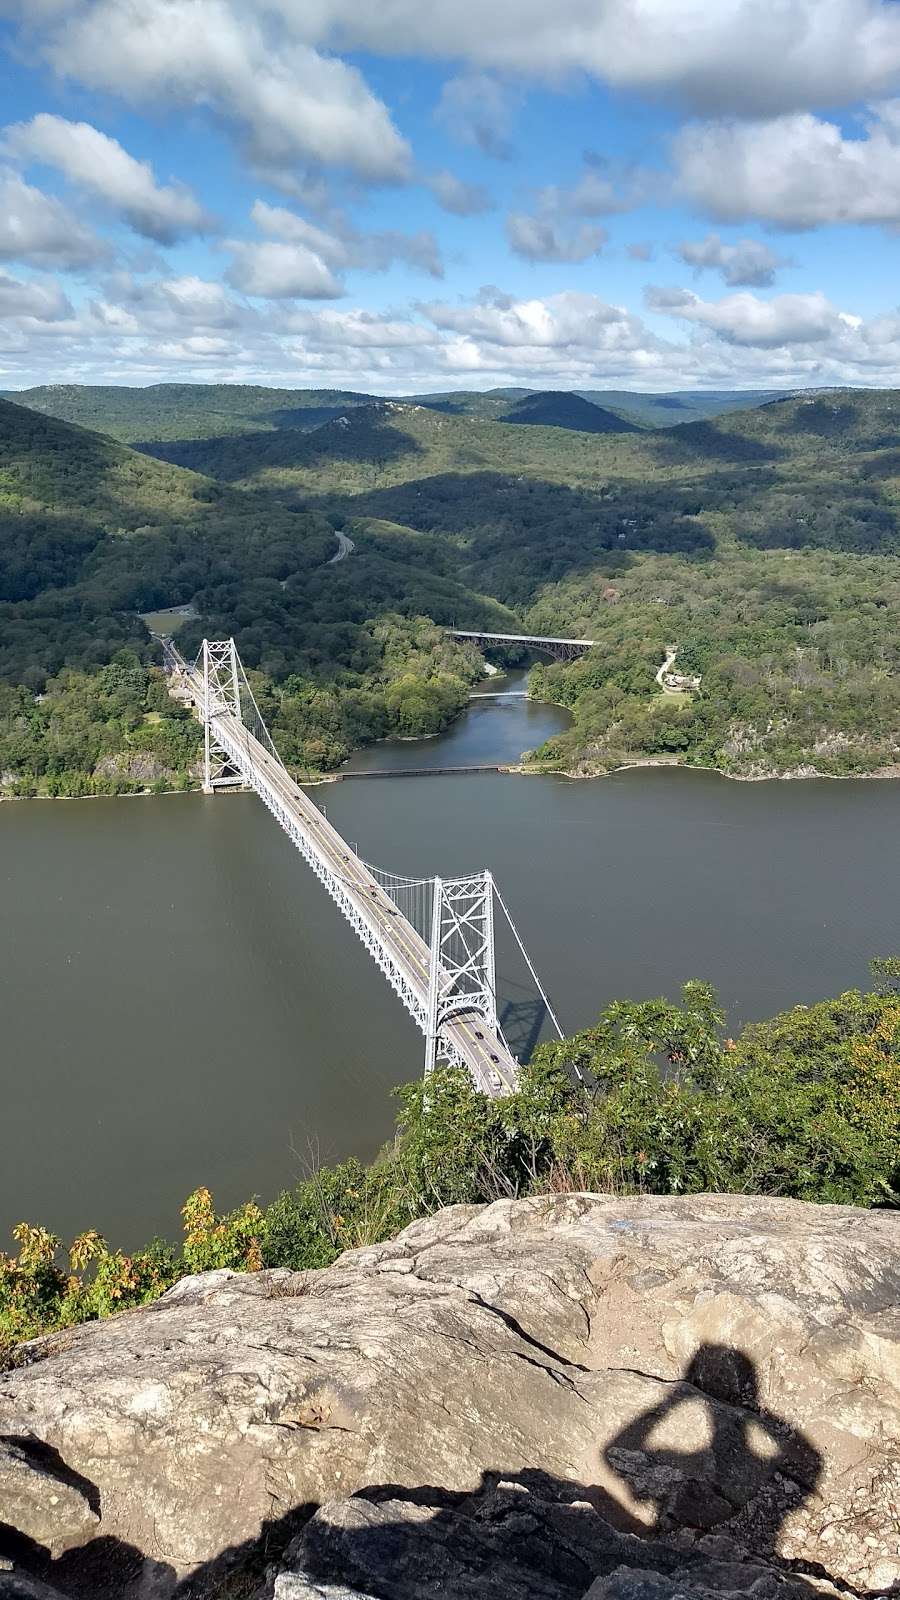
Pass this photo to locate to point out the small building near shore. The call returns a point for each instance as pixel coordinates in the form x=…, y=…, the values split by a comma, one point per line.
x=684, y=681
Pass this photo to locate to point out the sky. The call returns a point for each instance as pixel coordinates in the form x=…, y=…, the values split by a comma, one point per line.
x=402, y=196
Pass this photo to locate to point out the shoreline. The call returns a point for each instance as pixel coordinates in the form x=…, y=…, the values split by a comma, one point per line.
x=883, y=775
x=513, y=769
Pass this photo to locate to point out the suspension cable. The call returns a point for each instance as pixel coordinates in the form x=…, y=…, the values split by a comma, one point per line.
x=412, y=896
x=267, y=737
x=540, y=988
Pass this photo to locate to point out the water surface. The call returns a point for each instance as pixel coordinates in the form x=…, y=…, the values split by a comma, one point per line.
x=493, y=732
x=183, y=1004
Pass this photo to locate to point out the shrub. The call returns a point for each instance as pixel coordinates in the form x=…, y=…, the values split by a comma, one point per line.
x=652, y=1099
x=211, y=1241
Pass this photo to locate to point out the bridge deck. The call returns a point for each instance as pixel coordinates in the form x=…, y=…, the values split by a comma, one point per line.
x=519, y=638
x=483, y=1053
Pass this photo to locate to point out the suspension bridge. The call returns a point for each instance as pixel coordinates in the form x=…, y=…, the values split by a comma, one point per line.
x=432, y=938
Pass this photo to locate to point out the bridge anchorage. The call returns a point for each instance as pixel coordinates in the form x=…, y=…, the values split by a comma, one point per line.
x=432, y=938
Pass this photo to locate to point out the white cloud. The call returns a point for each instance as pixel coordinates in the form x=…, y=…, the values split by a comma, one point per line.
x=40, y=231
x=562, y=321
x=598, y=193
x=375, y=252
x=43, y=302
x=197, y=347
x=747, y=262
x=540, y=238
x=262, y=68
x=462, y=199
x=100, y=164
x=275, y=270
x=278, y=222
x=744, y=319
x=198, y=301
x=341, y=245
x=291, y=105
x=549, y=233
x=478, y=110
x=183, y=305
x=795, y=171
x=750, y=57
x=360, y=330
x=143, y=329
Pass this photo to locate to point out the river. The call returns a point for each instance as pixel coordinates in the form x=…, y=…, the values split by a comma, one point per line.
x=493, y=732
x=183, y=1004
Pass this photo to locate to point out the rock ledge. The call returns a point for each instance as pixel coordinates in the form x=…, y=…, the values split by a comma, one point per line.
x=581, y=1395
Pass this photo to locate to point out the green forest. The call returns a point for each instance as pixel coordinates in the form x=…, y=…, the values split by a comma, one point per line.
x=94, y=534
x=762, y=544
x=158, y=412
x=806, y=1105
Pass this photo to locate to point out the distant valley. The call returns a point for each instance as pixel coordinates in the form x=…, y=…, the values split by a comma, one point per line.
x=761, y=542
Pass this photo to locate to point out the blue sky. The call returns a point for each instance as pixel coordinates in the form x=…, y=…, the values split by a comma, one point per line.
x=432, y=194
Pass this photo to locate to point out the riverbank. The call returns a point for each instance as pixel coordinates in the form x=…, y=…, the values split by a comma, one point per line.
x=514, y=769
x=798, y=775
x=489, y=735
x=131, y=923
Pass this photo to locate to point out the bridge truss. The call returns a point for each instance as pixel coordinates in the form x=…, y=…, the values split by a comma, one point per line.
x=432, y=938
x=559, y=649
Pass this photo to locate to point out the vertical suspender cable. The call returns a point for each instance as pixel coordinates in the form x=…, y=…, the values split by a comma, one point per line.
x=540, y=988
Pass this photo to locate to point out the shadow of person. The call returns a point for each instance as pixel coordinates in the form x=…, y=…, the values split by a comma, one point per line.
x=699, y=1456
x=708, y=1456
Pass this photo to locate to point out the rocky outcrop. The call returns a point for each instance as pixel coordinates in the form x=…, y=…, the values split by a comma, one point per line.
x=547, y=1395
x=41, y=1499
x=529, y=1539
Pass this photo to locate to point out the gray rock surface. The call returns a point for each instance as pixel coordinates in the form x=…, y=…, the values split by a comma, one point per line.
x=515, y=1541
x=41, y=1498
x=701, y=1371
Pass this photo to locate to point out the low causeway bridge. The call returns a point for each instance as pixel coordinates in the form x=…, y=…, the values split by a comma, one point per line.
x=432, y=938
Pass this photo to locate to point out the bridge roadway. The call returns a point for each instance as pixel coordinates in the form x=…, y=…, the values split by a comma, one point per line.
x=522, y=638
x=398, y=949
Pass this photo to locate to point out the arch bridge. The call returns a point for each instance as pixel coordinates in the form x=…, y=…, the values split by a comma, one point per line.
x=559, y=649
x=432, y=938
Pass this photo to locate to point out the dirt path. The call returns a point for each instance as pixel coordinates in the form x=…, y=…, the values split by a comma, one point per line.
x=667, y=666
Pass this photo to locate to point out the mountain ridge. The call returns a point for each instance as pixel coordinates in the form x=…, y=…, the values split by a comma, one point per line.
x=170, y=411
x=764, y=543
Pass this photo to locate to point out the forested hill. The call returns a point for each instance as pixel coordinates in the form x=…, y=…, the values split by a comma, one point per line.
x=834, y=421
x=94, y=530
x=56, y=464
x=764, y=544
x=397, y=441
x=683, y=405
x=163, y=412
x=386, y=444
x=550, y=409
x=93, y=533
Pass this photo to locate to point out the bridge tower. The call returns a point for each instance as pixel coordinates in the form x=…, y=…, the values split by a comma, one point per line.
x=462, y=970
x=221, y=694
x=434, y=943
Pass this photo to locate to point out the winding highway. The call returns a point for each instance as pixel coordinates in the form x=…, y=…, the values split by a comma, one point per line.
x=345, y=546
